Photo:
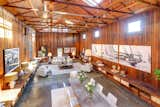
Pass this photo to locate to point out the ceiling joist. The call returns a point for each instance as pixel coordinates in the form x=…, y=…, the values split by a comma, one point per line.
x=86, y=6
x=82, y=15
x=14, y=2
x=149, y=3
x=18, y=7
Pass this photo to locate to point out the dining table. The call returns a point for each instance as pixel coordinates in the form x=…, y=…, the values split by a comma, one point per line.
x=83, y=96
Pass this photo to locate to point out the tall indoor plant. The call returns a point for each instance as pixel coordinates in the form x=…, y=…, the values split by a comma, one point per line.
x=157, y=73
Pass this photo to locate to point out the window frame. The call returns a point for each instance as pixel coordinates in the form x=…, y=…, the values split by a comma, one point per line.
x=6, y=26
x=136, y=31
x=95, y=33
x=84, y=36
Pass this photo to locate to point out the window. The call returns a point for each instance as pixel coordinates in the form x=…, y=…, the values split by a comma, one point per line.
x=56, y=30
x=59, y=52
x=5, y=28
x=134, y=26
x=84, y=36
x=96, y=34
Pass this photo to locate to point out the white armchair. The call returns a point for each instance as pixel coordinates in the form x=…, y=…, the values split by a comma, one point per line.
x=86, y=67
x=42, y=71
x=54, y=60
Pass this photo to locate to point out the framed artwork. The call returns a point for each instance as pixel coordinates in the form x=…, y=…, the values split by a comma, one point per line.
x=67, y=50
x=110, y=52
x=138, y=57
x=97, y=50
x=11, y=59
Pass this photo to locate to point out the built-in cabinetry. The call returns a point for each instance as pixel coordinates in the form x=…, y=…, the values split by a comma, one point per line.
x=139, y=88
x=10, y=96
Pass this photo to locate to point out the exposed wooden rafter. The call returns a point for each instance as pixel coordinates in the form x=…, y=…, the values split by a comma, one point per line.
x=18, y=7
x=86, y=6
x=149, y=3
x=87, y=16
x=20, y=14
x=14, y=2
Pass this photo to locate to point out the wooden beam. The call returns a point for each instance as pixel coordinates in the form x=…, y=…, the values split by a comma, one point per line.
x=125, y=6
x=85, y=6
x=18, y=1
x=149, y=3
x=91, y=13
x=25, y=8
x=81, y=15
x=81, y=22
x=33, y=17
x=113, y=3
x=19, y=14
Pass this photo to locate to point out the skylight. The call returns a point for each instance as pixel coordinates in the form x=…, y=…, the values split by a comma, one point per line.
x=92, y=2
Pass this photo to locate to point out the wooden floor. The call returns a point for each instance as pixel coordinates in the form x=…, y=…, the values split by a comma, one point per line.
x=38, y=92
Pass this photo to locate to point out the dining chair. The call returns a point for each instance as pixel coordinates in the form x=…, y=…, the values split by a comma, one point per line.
x=73, y=74
x=99, y=88
x=111, y=99
x=93, y=81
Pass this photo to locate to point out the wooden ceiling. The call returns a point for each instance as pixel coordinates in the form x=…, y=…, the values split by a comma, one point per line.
x=75, y=14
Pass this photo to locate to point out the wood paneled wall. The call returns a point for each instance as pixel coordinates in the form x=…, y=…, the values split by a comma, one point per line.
x=26, y=43
x=57, y=40
x=116, y=33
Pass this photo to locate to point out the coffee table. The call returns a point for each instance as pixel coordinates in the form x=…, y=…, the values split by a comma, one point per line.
x=65, y=66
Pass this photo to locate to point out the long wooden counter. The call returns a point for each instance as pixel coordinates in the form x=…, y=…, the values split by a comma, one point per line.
x=145, y=91
x=10, y=96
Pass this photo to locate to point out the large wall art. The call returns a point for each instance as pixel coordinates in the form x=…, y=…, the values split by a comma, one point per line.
x=110, y=52
x=138, y=57
x=97, y=50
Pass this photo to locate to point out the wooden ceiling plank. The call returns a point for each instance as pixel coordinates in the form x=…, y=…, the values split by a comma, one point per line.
x=18, y=7
x=125, y=6
x=85, y=6
x=130, y=6
x=20, y=14
x=34, y=17
x=18, y=1
x=149, y=3
x=113, y=3
x=82, y=15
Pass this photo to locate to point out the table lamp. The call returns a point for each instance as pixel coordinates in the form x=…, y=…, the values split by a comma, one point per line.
x=88, y=53
x=11, y=78
x=73, y=54
x=49, y=55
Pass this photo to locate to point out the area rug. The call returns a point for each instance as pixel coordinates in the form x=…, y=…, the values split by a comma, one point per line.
x=55, y=70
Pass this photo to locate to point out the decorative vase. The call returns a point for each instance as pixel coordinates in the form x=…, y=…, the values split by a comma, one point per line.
x=12, y=84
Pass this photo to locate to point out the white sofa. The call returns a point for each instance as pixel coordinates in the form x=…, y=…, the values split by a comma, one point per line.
x=59, y=60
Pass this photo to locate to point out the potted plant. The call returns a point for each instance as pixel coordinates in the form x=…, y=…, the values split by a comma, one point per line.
x=90, y=88
x=82, y=76
x=157, y=73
